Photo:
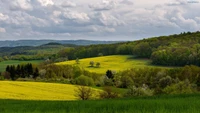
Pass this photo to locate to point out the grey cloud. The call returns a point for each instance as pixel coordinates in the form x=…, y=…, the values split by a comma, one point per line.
x=68, y=4
x=104, y=5
x=2, y=30
x=127, y=2
x=177, y=2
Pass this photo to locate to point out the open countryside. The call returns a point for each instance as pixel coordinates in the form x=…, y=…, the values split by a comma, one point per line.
x=115, y=63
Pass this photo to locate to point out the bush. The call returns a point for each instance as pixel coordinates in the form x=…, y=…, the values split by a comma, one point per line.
x=140, y=91
x=182, y=87
x=108, y=93
x=83, y=92
x=84, y=80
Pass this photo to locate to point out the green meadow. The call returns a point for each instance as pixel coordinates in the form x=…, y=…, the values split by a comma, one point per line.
x=3, y=64
x=158, y=104
x=114, y=62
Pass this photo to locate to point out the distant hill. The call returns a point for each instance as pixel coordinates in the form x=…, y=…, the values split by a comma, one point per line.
x=10, y=43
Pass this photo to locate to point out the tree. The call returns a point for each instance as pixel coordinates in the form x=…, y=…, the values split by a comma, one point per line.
x=83, y=92
x=77, y=61
x=84, y=80
x=92, y=63
x=36, y=73
x=98, y=64
x=109, y=74
x=108, y=93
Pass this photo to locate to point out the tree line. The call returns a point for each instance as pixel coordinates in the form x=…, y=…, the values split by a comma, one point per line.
x=173, y=50
x=21, y=71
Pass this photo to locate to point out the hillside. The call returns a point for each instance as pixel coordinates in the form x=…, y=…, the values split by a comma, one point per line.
x=174, y=50
x=115, y=63
x=36, y=91
x=10, y=43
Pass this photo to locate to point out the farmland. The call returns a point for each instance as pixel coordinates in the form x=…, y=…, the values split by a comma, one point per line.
x=16, y=62
x=114, y=62
x=36, y=91
x=158, y=104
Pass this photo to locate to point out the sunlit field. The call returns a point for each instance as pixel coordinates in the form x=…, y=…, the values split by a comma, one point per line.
x=36, y=91
x=114, y=62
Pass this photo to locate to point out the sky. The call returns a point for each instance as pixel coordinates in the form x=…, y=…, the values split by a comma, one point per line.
x=96, y=19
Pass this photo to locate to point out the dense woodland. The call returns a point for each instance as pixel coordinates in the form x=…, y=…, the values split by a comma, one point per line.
x=174, y=50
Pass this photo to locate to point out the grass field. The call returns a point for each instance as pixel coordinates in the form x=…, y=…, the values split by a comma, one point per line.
x=36, y=91
x=16, y=62
x=163, y=104
x=115, y=62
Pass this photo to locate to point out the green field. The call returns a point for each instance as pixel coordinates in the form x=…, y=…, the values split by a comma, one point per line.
x=16, y=62
x=36, y=91
x=114, y=62
x=163, y=104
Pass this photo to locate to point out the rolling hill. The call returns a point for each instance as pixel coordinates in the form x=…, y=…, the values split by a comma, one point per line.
x=113, y=62
x=36, y=91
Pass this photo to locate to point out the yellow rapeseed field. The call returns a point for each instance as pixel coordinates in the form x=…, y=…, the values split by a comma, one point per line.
x=36, y=91
x=114, y=62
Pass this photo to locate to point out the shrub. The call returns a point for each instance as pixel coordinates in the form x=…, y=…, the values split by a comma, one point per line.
x=108, y=93
x=182, y=87
x=83, y=92
x=140, y=91
x=84, y=80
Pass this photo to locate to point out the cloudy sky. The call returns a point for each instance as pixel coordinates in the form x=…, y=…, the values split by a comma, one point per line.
x=96, y=19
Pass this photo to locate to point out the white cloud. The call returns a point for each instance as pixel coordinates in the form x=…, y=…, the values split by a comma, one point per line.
x=127, y=2
x=104, y=5
x=68, y=4
x=104, y=18
x=46, y=2
x=76, y=16
x=2, y=30
x=3, y=17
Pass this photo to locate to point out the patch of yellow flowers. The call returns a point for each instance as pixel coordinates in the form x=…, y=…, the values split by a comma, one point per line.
x=36, y=91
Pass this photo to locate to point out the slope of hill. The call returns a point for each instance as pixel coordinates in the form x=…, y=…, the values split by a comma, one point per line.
x=36, y=91
x=174, y=50
x=41, y=42
x=114, y=63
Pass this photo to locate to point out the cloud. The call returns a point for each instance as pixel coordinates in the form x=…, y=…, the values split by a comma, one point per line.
x=90, y=19
x=76, y=16
x=68, y=4
x=22, y=4
x=177, y=2
x=107, y=19
x=2, y=30
x=127, y=2
x=104, y=5
x=46, y=2
x=3, y=17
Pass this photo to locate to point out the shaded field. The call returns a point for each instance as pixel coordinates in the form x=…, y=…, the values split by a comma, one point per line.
x=163, y=104
x=114, y=62
x=16, y=62
x=36, y=91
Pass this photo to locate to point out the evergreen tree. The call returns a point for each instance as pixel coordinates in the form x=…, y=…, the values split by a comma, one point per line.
x=36, y=73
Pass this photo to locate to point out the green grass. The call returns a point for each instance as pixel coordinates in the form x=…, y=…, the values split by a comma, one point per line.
x=16, y=62
x=163, y=104
x=114, y=62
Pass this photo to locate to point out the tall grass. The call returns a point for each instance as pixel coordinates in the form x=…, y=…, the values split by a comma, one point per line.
x=163, y=104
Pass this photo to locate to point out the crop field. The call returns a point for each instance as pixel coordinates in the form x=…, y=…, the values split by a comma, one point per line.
x=158, y=104
x=36, y=91
x=16, y=62
x=114, y=62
